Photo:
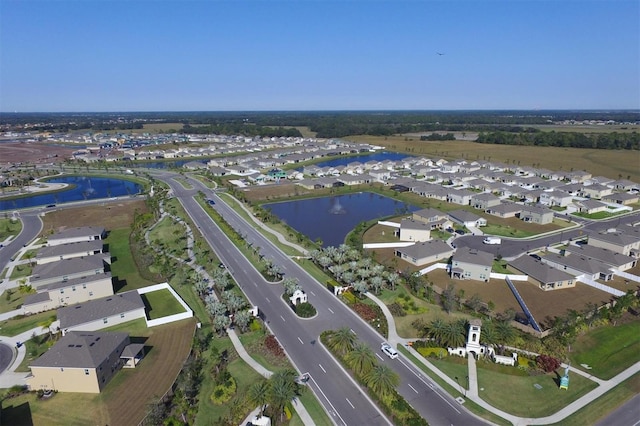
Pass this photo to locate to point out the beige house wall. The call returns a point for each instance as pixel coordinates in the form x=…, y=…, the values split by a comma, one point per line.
x=43, y=260
x=101, y=323
x=83, y=292
x=63, y=379
x=414, y=234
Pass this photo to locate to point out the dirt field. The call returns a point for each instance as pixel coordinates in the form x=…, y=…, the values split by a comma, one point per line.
x=112, y=215
x=33, y=152
x=168, y=347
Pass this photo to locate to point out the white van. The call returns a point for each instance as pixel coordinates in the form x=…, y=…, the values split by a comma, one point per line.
x=492, y=240
x=389, y=351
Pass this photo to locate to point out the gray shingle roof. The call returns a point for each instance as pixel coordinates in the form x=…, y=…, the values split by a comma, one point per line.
x=77, y=232
x=426, y=249
x=539, y=271
x=64, y=249
x=81, y=349
x=75, y=281
x=473, y=256
x=68, y=267
x=607, y=256
x=104, y=307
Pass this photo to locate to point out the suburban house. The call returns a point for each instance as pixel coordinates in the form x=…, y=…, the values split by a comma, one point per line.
x=67, y=269
x=615, y=260
x=434, y=218
x=77, y=235
x=579, y=265
x=543, y=275
x=589, y=206
x=425, y=252
x=100, y=313
x=505, y=210
x=49, y=254
x=596, y=191
x=555, y=198
x=625, y=240
x=76, y=290
x=467, y=219
x=412, y=230
x=83, y=361
x=460, y=196
x=471, y=264
x=536, y=214
x=624, y=198
x=484, y=200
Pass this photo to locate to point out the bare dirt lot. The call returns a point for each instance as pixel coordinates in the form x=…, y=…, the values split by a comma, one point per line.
x=127, y=401
x=111, y=215
x=33, y=152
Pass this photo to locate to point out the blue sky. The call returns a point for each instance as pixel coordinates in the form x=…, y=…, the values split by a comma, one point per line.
x=99, y=55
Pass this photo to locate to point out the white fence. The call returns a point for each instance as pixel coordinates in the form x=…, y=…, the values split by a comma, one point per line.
x=387, y=245
x=627, y=276
x=588, y=281
x=433, y=267
x=511, y=276
x=386, y=223
x=170, y=318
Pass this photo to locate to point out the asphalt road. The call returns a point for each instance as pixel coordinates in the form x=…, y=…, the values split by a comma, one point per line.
x=512, y=248
x=627, y=415
x=342, y=398
x=6, y=355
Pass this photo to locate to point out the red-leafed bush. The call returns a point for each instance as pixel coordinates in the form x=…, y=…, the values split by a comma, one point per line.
x=273, y=346
x=366, y=312
x=547, y=363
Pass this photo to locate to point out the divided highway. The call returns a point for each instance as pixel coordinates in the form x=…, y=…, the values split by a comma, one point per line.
x=343, y=399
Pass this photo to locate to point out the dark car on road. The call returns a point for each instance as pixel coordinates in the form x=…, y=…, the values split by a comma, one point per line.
x=460, y=232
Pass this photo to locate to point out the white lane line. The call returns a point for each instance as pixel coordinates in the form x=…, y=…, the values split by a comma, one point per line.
x=322, y=368
x=300, y=340
x=334, y=412
x=378, y=355
x=283, y=318
x=312, y=293
x=431, y=386
x=267, y=299
x=350, y=403
x=412, y=388
x=331, y=310
x=353, y=331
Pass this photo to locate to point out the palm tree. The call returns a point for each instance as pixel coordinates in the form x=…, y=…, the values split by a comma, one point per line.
x=455, y=334
x=242, y=319
x=393, y=279
x=437, y=330
x=282, y=389
x=258, y=394
x=46, y=324
x=382, y=380
x=376, y=282
x=342, y=340
x=361, y=359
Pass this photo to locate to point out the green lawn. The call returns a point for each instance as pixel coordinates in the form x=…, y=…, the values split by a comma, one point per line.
x=607, y=350
x=123, y=267
x=171, y=237
x=21, y=271
x=161, y=303
x=519, y=396
x=17, y=325
x=506, y=231
x=8, y=228
x=11, y=300
x=455, y=392
x=598, y=215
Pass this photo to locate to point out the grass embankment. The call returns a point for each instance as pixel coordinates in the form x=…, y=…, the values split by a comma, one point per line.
x=607, y=350
x=604, y=405
x=9, y=228
x=17, y=325
x=11, y=300
x=170, y=236
x=123, y=265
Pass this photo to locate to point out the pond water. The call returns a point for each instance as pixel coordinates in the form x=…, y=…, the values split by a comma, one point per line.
x=86, y=188
x=332, y=218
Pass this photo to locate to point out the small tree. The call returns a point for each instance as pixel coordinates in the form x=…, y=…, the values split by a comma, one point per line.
x=547, y=363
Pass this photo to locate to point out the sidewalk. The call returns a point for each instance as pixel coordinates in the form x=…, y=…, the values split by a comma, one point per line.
x=472, y=393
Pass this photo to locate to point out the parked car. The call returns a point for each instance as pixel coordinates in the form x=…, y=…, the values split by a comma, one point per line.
x=389, y=351
x=535, y=256
x=460, y=232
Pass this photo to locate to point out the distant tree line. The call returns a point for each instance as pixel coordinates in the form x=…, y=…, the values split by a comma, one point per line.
x=438, y=137
x=613, y=140
x=240, y=128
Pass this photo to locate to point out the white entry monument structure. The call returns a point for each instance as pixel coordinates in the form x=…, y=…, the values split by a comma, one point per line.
x=475, y=348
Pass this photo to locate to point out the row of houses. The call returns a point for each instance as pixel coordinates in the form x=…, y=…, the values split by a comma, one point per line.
x=599, y=258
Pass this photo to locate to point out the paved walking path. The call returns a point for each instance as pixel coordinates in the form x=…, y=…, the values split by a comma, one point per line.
x=473, y=395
